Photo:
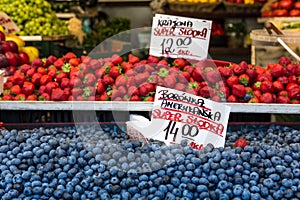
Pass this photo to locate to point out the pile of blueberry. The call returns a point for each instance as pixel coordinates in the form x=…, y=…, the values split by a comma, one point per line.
x=93, y=162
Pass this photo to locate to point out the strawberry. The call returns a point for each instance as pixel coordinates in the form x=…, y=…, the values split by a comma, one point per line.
x=57, y=94
x=259, y=69
x=91, y=98
x=115, y=94
x=256, y=93
x=121, y=80
x=266, y=98
x=238, y=90
x=162, y=63
x=45, y=79
x=295, y=101
x=290, y=69
x=104, y=97
x=89, y=79
x=7, y=84
x=266, y=86
x=50, y=86
x=116, y=59
x=277, y=70
x=189, y=69
x=232, y=80
x=283, y=79
x=68, y=56
x=179, y=62
x=126, y=66
x=36, y=78
x=52, y=72
x=59, y=63
x=25, y=67
x=184, y=76
x=198, y=74
x=84, y=68
x=264, y=76
x=37, y=62
x=100, y=87
x=180, y=86
x=284, y=61
x=135, y=98
x=283, y=99
x=50, y=60
x=99, y=73
x=148, y=99
x=212, y=75
x=152, y=59
x=41, y=89
x=133, y=59
x=149, y=68
x=292, y=79
x=206, y=92
x=75, y=82
x=28, y=88
x=89, y=91
x=145, y=89
x=169, y=81
x=141, y=77
x=163, y=72
x=41, y=70
x=64, y=83
x=60, y=75
x=294, y=93
x=216, y=98
x=253, y=100
x=225, y=72
x=278, y=86
x=20, y=97
x=18, y=78
x=74, y=72
x=80, y=98
x=44, y=97
x=76, y=92
x=139, y=67
x=283, y=93
x=15, y=90
x=241, y=142
x=173, y=71
x=7, y=97
x=94, y=64
x=115, y=71
x=239, y=69
x=244, y=79
x=130, y=72
x=232, y=99
x=133, y=90
x=130, y=81
x=252, y=74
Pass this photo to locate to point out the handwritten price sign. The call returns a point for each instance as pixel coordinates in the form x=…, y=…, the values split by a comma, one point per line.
x=175, y=37
x=178, y=115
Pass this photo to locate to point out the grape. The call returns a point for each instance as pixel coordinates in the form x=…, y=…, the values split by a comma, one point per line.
x=34, y=17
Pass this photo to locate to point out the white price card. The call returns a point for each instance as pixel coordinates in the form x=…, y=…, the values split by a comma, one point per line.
x=180, y=37
x=178, y=116
x=8, y=24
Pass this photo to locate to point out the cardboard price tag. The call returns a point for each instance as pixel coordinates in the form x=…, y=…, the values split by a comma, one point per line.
x=186, y=116
x=177, y=116
x=7, y=23
x=183, y=37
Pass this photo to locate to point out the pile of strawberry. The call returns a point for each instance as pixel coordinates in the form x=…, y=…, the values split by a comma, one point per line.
x=130, y=78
